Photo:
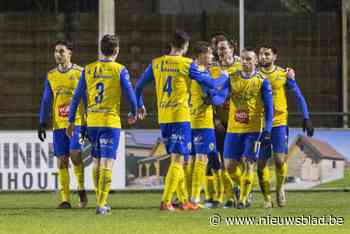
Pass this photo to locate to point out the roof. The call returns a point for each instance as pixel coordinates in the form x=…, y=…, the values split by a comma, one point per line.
x=321, y=148
x=132, y=142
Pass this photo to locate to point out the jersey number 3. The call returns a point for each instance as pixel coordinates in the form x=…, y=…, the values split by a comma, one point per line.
x=167, y=87
x=100, y=89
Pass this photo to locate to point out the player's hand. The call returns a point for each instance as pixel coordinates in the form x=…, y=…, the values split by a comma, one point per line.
x=142, y=113
x=290, y=73
x=70, y=130
x=265, y=137
x=42, y=132
x=226, y=59
x=307, y=127
x=132, y=118
x=207, y=100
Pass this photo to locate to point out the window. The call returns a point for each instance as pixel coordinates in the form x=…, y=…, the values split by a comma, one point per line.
x=334, y=164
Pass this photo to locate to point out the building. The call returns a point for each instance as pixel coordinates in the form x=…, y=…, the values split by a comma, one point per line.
x=313, y=160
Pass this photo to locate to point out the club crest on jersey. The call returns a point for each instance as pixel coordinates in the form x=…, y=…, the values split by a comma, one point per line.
x=211, y=146
x=189, y=146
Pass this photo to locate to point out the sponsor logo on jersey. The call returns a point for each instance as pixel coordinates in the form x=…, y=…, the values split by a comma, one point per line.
x=63, y=110
x=106, y=141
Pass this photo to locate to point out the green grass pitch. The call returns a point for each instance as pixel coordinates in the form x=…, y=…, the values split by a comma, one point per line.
x=139, y=213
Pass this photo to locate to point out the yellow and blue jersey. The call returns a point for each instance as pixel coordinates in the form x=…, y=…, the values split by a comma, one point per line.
x=172, y=88
x=201, y=113
x=250, y=98
x=279, y=83
x=103, y=82
x=221, y=111
x=58, y=92
x=172, y=77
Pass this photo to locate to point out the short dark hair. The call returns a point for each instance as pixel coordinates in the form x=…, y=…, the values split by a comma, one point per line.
x=67, y=43
x=269, y=46
x=108, y=44
x=200, y=47
x=180, y=38
x=222, y=37
x=219, y=33
x=248, y=48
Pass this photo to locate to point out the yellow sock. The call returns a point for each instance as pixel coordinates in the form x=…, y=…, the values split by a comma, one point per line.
x=64, y=182
x=218, y=185
x=264, y=182
x=188, y=169
x=104, y=185
x=198, y=179
x=228, y=184
x=171, y=181
x=236, y=175
x=281, y=176
x=209, y=189
x=181, y=191
x=95, y=179
x=79, y=175
x=246, y=185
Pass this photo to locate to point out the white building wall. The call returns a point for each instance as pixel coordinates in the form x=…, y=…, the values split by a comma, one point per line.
x=328, y=173
x=310, y=170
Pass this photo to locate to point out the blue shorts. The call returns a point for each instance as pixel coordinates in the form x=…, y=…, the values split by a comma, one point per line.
x=177, y=137
x=104, y=141
x=203, y=141
x=62, y=144
x=240, y=144
x=279, y=138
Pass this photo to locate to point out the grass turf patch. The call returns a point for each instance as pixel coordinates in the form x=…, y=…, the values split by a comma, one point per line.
x=139, y=213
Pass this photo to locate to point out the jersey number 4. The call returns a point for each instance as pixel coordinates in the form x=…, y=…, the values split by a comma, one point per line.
x=167, y=87
x=100, y=88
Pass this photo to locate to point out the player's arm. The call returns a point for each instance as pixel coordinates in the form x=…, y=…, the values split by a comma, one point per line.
x=204, y=78
x=292, y=85
x=266, y=94
x=218, y=95
x=79, y=93
x=45, y=108
x=129, y=92
x=146, y=78
x=84, y=117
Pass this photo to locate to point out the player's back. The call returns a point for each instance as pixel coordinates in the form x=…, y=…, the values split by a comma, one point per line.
x=63, y=85
x=278, y=79
x=201, y=113
x=103, y=89
x=172, y=81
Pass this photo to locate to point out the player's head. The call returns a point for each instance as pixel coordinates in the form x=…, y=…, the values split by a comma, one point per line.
x=110, y=46
x=225, y=48
x=203, y=53
x=63, y=51
x=249, y=59
x=213, y=42
x=267, y=55
x=180, y=41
